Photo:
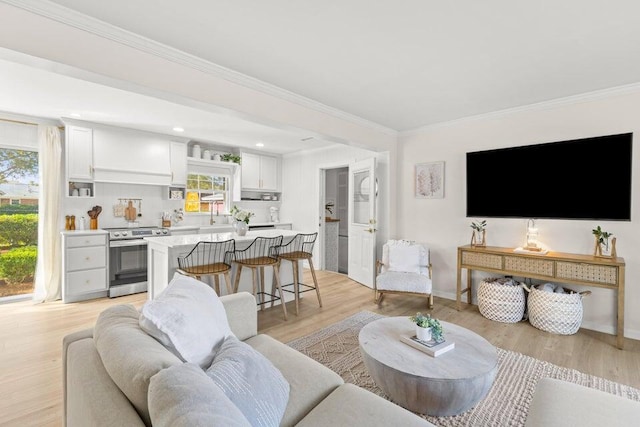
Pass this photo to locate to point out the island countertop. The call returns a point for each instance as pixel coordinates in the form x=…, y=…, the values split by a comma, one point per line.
x=192, y=239
x=163, y=253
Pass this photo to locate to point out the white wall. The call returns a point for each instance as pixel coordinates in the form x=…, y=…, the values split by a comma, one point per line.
x=300, y=186
x=443, y=224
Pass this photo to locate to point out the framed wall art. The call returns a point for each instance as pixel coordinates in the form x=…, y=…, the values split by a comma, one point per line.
x=429, y=180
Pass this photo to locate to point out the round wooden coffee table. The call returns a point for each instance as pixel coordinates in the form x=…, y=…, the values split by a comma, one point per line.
x=448, y=384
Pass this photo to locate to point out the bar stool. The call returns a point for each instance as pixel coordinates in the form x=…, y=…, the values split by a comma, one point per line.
x=261, y=253
x=298, y=249
x=209, y=259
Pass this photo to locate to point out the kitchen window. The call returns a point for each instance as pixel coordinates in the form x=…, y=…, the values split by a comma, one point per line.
x=206, y=192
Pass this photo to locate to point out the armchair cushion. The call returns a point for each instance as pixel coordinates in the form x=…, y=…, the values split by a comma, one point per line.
x=406, y=282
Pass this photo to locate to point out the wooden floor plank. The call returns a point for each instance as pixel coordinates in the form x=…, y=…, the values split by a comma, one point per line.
x=31, y=340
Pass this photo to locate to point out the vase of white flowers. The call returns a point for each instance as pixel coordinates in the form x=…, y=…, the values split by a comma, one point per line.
x=241, y=217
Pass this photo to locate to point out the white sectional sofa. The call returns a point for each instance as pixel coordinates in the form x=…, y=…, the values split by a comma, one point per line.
x=107, y=384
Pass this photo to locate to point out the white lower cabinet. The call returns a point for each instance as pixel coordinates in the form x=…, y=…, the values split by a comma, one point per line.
x=85, y=256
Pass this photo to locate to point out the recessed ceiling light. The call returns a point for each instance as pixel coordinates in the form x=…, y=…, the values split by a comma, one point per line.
x=178, y=129
x=259, y=144
x=75, y=115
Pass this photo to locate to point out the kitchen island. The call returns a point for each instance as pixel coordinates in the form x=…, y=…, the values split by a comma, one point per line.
x=163, y=252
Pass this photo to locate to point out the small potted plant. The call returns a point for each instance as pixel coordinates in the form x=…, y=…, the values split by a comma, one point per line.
x=427, y=328
x=478, y=235
x=602, y=246
x=230, y=157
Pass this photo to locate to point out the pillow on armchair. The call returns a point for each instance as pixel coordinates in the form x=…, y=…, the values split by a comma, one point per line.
x=404, y=258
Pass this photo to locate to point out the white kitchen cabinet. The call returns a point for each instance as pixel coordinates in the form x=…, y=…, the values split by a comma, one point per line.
x=85, y=256
x=131, y=157
x=79, y=153
x=259, y=172
x=178, y=164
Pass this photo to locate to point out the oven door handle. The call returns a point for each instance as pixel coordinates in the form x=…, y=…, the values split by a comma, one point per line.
x=123, y=243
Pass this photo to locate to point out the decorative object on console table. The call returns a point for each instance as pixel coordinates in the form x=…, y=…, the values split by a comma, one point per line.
x=479, y=234
x=429, y=180
x=603, y=248
x=532, y=243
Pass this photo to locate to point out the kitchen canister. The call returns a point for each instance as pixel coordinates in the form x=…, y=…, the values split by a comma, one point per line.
x=195, y=151
x=206, y=155
x=216, y=157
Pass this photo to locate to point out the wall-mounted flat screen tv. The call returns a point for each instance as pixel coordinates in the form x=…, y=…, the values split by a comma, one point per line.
x=580, y=179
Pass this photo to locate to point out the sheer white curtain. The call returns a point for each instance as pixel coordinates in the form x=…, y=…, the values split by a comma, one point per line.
x=48, y=269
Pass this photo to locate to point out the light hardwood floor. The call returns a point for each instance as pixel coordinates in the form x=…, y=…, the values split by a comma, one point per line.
x=31, y=340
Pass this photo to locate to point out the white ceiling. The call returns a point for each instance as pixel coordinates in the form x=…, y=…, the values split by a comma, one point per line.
x=35, y=92
x=401, y=64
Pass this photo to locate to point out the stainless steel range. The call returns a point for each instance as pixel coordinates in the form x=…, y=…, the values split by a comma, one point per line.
x=128, y=258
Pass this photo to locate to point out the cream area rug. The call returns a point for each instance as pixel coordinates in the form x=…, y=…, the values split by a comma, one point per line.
x=336, y=347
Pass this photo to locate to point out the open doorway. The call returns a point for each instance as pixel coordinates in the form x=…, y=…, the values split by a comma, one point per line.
x=336, y=226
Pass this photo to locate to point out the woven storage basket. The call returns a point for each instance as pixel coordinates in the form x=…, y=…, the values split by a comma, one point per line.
x=501, y=301
x=554, y=312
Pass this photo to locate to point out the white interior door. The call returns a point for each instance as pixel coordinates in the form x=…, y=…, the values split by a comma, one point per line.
x=362, y=221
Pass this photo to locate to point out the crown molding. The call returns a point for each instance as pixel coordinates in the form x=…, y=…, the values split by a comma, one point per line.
x=544, y=105
x=103, y=29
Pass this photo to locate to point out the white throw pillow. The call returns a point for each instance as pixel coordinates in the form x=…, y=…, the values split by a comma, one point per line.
x=405, y=258
x=251, y=382
x=188, y=318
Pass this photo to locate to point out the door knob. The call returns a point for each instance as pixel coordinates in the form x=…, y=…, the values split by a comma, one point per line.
x=371, y=230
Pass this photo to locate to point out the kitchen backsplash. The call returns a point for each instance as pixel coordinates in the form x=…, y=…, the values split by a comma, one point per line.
x=152, y=204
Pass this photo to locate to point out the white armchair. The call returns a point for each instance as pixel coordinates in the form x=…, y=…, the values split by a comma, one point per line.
x=405, y=268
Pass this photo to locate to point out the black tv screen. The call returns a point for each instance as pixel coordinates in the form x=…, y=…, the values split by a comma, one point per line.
x=580, y=179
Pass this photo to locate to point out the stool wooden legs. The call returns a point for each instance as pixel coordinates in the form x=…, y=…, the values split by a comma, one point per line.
x=257, y=280
x=315, y=281
x=227, y=281
x=295, y=267
x=276, y=269
x=237, y=281
x=216, y=284
x=296, y=284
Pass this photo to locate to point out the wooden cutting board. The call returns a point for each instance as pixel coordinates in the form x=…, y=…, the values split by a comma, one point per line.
x=130, y=212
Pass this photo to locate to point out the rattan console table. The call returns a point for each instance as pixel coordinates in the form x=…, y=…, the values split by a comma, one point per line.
x=561, y=267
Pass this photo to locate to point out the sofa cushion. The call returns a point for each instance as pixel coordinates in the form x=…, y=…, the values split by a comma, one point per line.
x=187, y=318
x=251, y=382
x=309, y=381
x=91, y=397
x=130, y=356
x=350, y=405
x=184, y=396
x=561, y=403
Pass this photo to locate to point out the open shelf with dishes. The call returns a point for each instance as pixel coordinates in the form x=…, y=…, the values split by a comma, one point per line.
x=260, y=196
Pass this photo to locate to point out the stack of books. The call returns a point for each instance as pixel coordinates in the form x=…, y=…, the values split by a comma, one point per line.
x=432, y=348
